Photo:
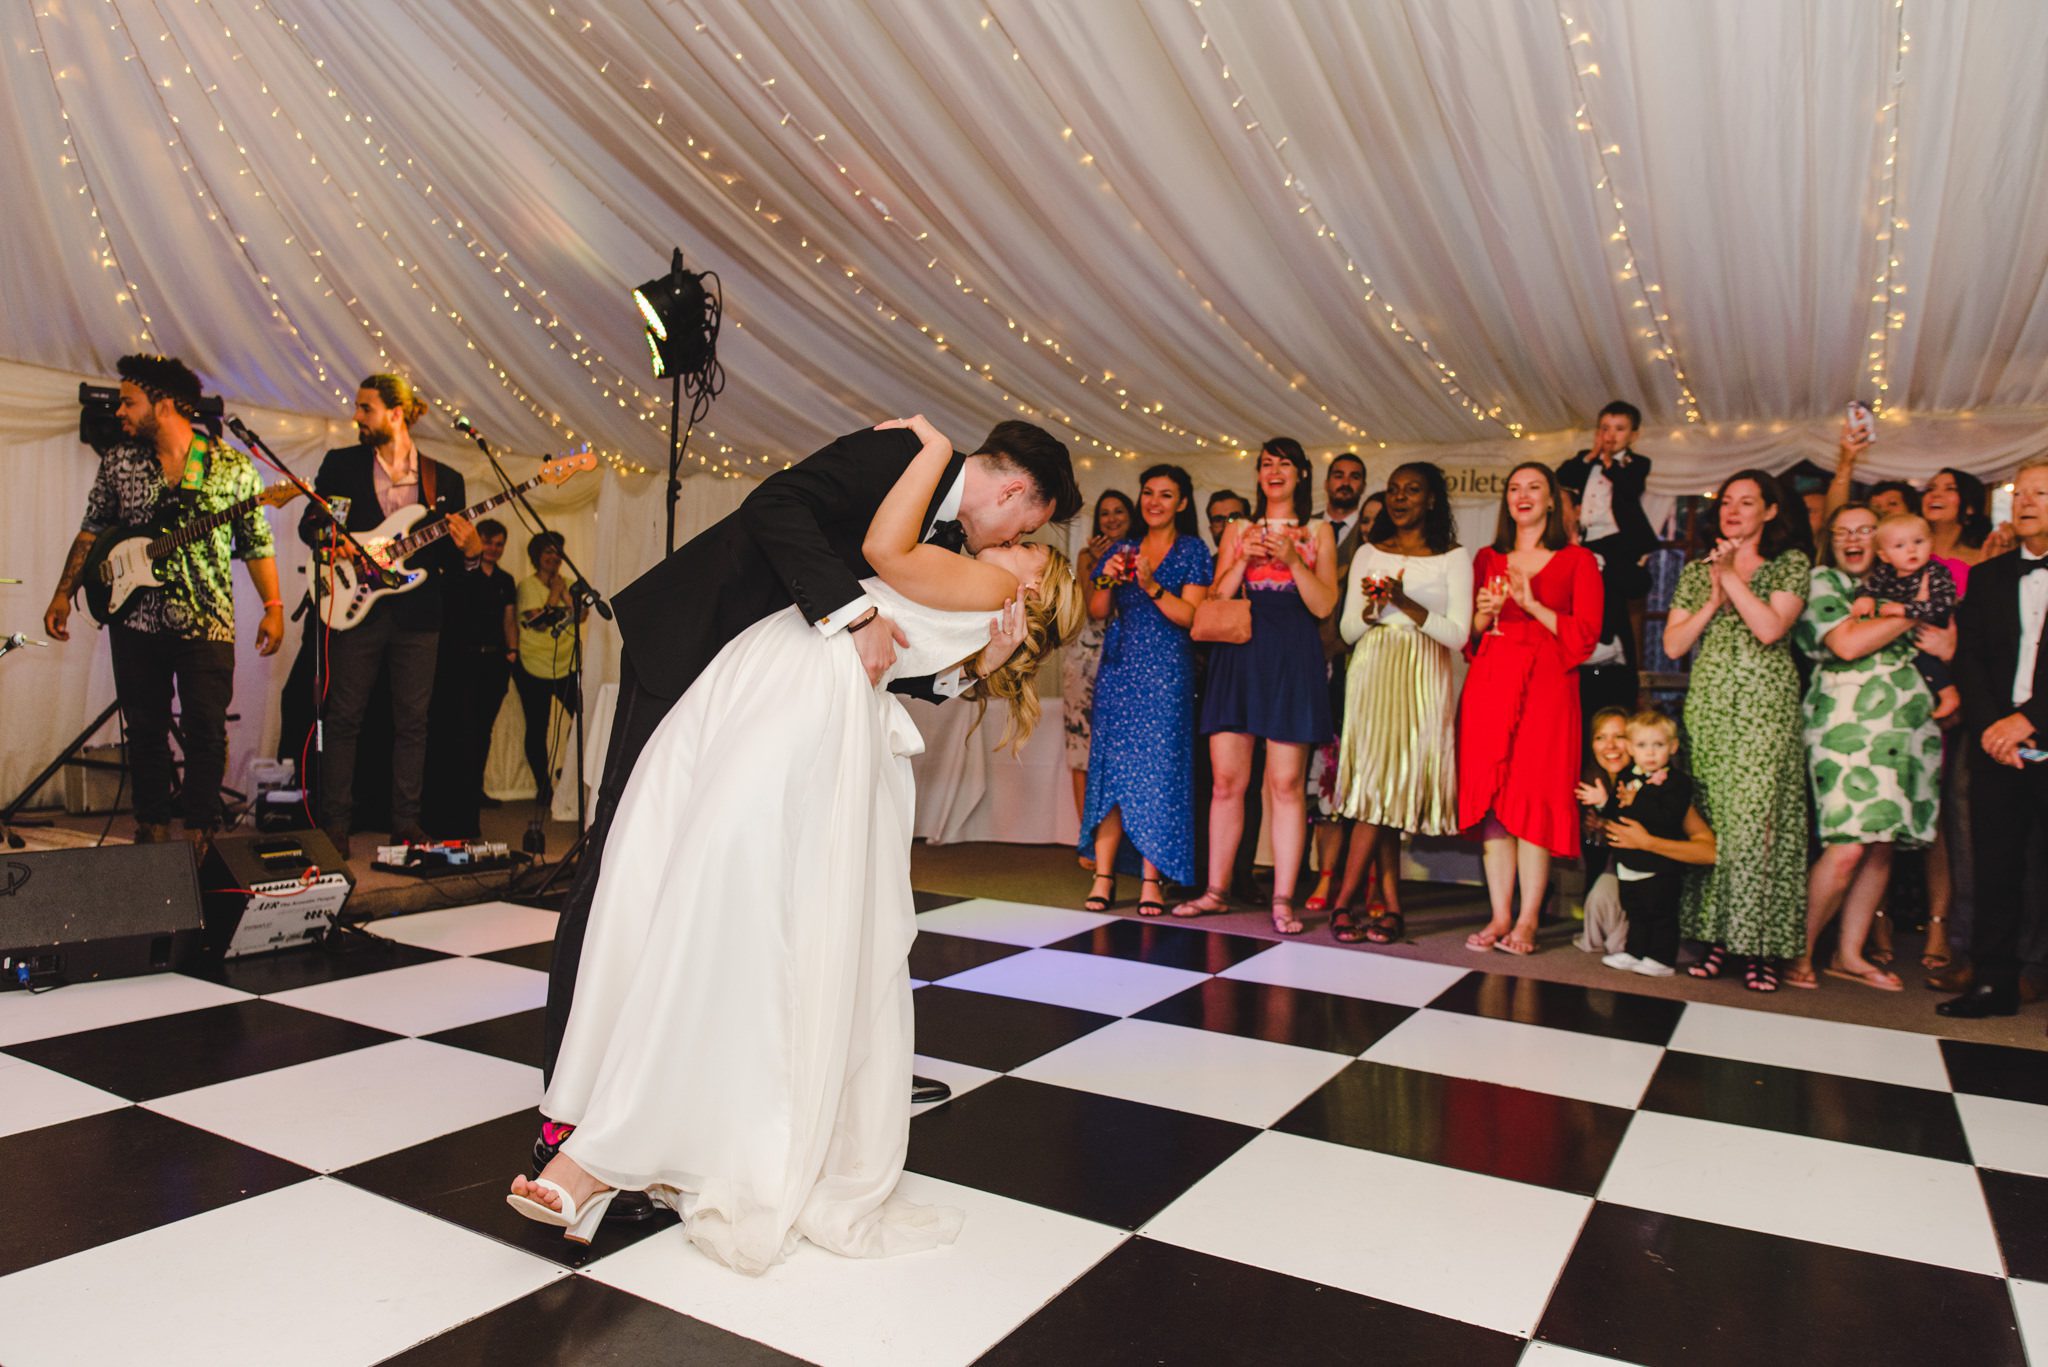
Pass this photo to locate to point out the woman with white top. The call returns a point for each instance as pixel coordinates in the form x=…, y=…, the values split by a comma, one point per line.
x=1407, y=611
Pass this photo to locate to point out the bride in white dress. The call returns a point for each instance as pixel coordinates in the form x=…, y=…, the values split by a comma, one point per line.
x=740, y=1046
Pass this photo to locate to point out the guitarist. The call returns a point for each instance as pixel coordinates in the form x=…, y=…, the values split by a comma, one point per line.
x=181, y=635
x=379, y=476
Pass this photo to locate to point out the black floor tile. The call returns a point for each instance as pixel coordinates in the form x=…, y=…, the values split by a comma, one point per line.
x=1659, y=1289
x=1153, y=1302
x=1116, y=1162
x=538, y=957
x=1997, y=1070
x=1283, y=1015
x=1171, y=946
x=932, y=901
x=350, y=956
x=463, y=1177
x=576, y=1321
x=146, y=1059
x=516, y=1037
x=89, y=1182
x=1823, y=1105
x=1534, y=1137
x=2019, y=1212
x=995, y=1032
x=934, y=956
x=1563, y=1006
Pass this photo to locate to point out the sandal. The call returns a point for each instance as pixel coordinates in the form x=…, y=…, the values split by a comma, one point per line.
x=1930, y=960
x=1149, y=907
x=1875, y=977
x=1320, y=898
x=1285, y=922
x=1713, y=966
x=1097, y=902
x=1879, y=950
x=1209, y=903
x=1760, y=976
x=1795, y=976
x=1483, y=940
x=1345, y=927
x=1388, y=928
x=1519, y=946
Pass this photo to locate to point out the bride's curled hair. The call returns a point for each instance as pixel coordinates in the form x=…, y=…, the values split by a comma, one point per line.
x=1051, y=618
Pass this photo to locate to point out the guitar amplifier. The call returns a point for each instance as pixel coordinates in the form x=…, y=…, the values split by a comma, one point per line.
x=72, y=916
x=272, y=892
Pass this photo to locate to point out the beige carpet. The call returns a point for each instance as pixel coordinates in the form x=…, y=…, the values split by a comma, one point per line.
x=1440, y=916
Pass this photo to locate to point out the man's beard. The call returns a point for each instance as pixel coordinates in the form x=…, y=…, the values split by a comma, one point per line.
x=145, y=430
x=1341, y=509
x=374, y=437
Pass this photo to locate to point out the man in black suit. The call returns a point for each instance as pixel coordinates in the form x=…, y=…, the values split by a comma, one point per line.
x=1607, y=482
x=382, y=474
x=2002, y=672
x=795, y=540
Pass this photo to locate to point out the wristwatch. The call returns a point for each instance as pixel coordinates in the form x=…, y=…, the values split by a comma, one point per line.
x=1155, y=597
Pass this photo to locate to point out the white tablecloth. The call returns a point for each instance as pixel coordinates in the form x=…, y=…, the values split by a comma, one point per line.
x=966, y=789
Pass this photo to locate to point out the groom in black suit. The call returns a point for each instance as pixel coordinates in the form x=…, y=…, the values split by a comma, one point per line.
x=2002, y=672
x=796, y=539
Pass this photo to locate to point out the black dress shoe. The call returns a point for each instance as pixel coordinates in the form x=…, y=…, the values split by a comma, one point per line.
x=1984, y=999
x=924, y=1091
x=628, y=1207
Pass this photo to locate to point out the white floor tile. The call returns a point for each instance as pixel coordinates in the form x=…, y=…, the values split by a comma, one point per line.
x=88, y=1006
x=961, y=1077
x=1848, y=1195
x=1206, y=1072
x=1092, y=982
x=314, y=1274
x=942, y=1307
x=32, y=1097
x=350, y=1108
x=2030, y=1301
x=1613, y=1072
x=1818, y=1046
x=1010, y=923
x=1348, y=973
x=484, y=928
x=1550, y=1355
x=2011, y=1136
x=426, y=997
x=1417, y=1234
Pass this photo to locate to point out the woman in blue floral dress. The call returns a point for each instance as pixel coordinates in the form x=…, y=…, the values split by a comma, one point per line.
x=1141, y=760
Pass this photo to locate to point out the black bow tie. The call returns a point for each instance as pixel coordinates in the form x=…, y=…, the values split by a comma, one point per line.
x=950, y=536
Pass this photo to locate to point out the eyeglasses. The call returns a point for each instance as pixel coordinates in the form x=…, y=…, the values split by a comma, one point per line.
x=1854, y=533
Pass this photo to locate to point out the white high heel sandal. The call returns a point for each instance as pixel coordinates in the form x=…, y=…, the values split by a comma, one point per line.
x=577, y=1223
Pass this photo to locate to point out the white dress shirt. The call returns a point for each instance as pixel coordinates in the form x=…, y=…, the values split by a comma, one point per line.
x=839, y=619
x=2033, y=609
x=1596, y=504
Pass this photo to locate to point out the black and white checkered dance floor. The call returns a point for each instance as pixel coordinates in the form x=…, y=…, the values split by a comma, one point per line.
x=1173, y=1145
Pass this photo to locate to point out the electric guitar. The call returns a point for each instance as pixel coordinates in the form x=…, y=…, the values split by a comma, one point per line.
x=124, y=561
x=346, y=593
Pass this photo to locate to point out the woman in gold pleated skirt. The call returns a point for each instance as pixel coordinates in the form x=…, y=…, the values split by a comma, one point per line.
x=1407, y=612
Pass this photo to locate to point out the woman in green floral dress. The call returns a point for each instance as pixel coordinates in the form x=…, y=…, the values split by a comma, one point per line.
x=1873, y=747
x=1738, y=605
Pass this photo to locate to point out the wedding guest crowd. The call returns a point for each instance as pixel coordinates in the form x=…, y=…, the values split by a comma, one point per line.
x=1313, y=664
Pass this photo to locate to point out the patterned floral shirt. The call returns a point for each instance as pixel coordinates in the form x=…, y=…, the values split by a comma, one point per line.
x=197, y=600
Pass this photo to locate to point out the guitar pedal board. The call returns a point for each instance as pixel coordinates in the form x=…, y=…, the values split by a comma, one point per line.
x=436, y=858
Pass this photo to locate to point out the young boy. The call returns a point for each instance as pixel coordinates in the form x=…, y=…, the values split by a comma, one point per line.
x=1651, y=793
x=1907, y=582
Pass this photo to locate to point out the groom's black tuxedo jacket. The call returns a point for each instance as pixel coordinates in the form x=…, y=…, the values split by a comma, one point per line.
x=796, y=539
x=1988, y=649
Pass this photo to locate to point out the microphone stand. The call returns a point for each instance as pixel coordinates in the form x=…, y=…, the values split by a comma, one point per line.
x=581, y=594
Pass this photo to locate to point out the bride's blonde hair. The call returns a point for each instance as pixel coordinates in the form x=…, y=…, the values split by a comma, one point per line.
x=1053, y=617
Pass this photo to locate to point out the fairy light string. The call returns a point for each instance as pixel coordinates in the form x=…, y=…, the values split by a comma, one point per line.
x=1656, y=327
x=1331, y=241
x=1886, y=311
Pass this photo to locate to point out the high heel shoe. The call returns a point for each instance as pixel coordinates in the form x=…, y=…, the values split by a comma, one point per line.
x=577, y=1223
x=1096, y=902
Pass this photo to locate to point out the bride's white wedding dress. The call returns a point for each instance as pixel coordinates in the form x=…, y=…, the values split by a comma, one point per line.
x=740, y=1045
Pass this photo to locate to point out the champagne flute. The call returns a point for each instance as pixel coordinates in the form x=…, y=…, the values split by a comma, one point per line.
x=1499, y=584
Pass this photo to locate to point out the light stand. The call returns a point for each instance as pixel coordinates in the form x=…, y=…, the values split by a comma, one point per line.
x=682, y=317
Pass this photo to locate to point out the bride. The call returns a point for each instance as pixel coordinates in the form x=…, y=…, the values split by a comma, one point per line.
x=740, y=1044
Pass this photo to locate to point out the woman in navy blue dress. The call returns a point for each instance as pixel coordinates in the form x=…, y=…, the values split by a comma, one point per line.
x=1141, y=754
x=1275, y=687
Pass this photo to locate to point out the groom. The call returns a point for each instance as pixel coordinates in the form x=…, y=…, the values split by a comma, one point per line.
x=796, y=539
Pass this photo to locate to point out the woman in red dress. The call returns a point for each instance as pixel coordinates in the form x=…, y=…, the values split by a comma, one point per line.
x=1536, y=616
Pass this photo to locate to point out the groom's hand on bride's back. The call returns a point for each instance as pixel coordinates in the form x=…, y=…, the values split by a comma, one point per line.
x=875, y=641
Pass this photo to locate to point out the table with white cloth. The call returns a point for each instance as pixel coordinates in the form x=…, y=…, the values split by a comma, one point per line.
x=966, y=788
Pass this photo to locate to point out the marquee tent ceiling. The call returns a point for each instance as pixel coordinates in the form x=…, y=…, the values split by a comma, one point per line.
x=1162, y=226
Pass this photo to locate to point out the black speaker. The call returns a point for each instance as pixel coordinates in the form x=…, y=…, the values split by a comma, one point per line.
x=272, y=891
x=72, y=916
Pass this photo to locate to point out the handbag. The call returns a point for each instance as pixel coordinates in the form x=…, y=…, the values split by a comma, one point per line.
x=1225, y=621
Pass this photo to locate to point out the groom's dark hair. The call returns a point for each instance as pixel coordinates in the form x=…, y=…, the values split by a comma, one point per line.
x=1034, y=452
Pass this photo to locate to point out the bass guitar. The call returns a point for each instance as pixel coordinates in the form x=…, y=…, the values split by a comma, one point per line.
x=125, y=561
x=347, y=593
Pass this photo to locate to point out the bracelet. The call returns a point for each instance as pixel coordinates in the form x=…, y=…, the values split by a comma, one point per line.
x=274, y=603
x=870, y=615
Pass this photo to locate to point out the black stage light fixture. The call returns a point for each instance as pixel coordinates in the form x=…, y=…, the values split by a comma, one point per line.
x=682, y=310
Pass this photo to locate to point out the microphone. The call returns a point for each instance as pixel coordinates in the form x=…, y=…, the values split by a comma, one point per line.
x=463, y=424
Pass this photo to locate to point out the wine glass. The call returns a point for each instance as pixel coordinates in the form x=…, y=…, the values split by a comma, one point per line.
x=1499, y=584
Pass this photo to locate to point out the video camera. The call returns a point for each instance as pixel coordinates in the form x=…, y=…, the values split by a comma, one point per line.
x=99, y=425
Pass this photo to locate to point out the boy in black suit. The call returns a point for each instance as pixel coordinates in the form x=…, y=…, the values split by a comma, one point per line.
x=1607, y=482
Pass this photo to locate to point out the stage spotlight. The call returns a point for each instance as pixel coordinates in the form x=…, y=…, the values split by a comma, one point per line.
x=682, y=311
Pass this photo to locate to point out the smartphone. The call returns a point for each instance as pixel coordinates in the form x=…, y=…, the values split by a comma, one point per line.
x=2031, y=755
x=2001, y=504
x=1862, y=422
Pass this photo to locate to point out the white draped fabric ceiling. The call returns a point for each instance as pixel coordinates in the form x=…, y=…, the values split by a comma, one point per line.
x=1159, y=227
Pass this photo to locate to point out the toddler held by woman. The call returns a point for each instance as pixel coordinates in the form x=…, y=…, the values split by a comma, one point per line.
x=1907, y=582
